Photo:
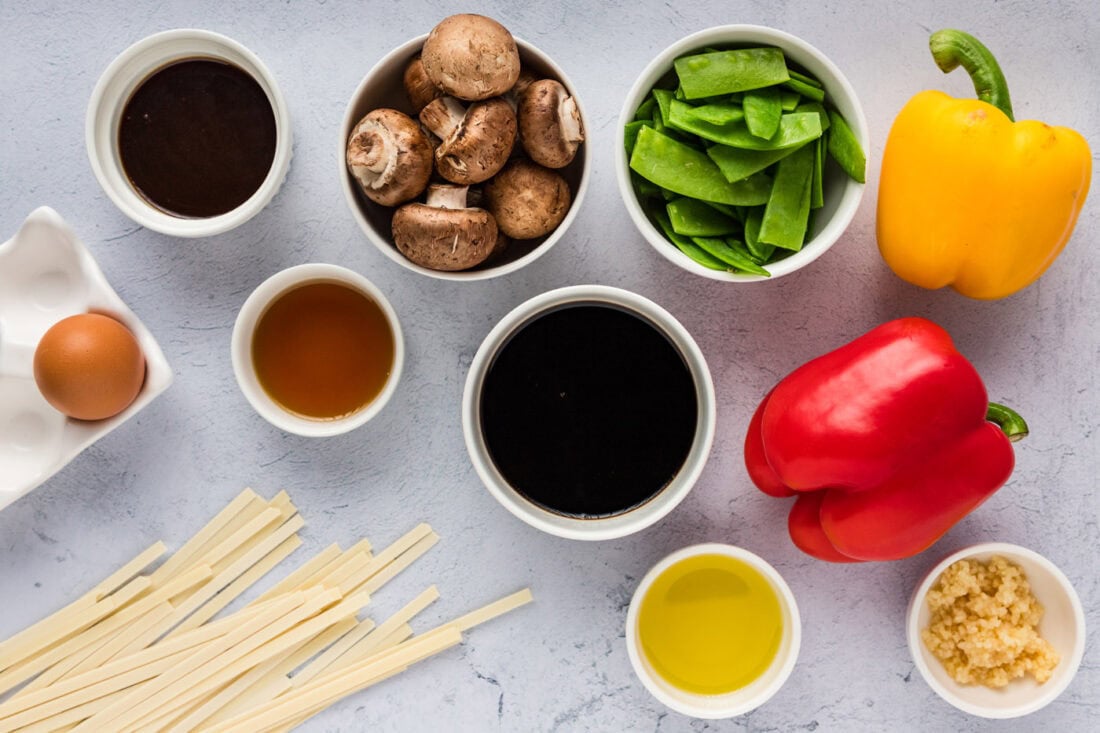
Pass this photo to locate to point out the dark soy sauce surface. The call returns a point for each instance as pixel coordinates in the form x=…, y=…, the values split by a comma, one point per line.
x=588, y=411
x=197, y=138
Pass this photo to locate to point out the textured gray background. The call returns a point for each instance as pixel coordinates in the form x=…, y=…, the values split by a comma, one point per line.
x=560, y=664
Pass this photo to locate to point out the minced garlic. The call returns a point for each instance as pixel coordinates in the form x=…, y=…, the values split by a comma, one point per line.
x=984, y=625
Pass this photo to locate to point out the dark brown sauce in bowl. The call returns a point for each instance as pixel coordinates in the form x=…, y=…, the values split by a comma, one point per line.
x=197, y=138
x=588, y=411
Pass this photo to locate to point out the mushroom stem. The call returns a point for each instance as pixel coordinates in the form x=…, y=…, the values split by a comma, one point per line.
x=374, y=150
x=368, y=149
x=443, y=116
x=571, y=120
x=443, y=196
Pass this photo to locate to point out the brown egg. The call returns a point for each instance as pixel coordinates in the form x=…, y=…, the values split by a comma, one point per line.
x=89, y=366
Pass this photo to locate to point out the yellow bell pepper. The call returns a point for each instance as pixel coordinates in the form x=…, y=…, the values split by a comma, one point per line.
x=968, y=197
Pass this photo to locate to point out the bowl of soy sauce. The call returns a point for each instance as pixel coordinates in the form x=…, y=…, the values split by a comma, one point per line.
x=188, y=133
x=589, y=412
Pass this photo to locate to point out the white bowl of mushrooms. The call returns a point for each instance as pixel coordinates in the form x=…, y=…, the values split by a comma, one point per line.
x=462, y=152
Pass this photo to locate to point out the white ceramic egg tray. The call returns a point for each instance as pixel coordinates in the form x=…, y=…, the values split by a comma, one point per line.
x=47, y=274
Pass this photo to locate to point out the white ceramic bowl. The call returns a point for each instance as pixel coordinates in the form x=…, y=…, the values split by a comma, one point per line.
x=842, y=194
x=383, y=87
x=734, y=703
x=46, y=274
x=1063, y=625
x=255, y=306
x=602, y=528
x=118, y=82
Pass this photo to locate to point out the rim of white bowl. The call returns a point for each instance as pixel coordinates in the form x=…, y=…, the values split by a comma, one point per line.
x=660, y=504
x=241, y=348
x=740, y=701
x=1052, y=688
x=114, y=88
x=384, y=244
x=847, y=102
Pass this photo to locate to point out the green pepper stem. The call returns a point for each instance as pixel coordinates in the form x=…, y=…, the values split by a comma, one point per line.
x=1007, y=420
x=951, y=49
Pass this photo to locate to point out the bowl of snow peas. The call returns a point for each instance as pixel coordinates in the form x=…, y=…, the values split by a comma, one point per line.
x=742, y=153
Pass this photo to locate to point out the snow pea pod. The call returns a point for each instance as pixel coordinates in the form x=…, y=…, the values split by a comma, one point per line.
x=788, y=209
x=719, y=114
x=689, y=172
x=804, y=78
x=761, y=251
x=724, y=250
x=763, y=109
x=845, y=149
x=737, y=164
x=810, y=92
x=685, y=245
x=795, y=129
x=630, y=133
x=724, y=72
x=645, y=109
x=694, y=218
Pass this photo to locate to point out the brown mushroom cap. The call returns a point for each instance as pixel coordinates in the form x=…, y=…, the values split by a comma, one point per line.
x=550, y=124
x=471, y=57
x=527, y=200
x=475, y=142
x=443, y=234
x=389, y=156
x=418, y=87
x=523, y=82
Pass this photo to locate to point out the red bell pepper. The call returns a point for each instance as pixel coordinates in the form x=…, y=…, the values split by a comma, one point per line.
x=887, y=442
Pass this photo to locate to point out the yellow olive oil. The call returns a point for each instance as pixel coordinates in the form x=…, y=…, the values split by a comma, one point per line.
x=710, y=624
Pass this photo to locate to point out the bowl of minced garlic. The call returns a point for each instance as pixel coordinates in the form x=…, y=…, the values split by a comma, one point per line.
x=997, y=630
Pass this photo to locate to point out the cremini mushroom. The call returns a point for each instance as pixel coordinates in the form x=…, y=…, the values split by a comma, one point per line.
x=389, y=155
x=443, y=234
x=475, y=142
x=418, y=87
x=527, y=200
x=550, y=124
x=515, y=94
x=471, y=57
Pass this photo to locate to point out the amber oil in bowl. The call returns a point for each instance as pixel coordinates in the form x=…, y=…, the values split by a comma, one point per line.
x=317, y=350
x=323, y=350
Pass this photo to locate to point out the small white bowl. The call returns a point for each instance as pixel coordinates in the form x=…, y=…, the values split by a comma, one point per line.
x=842, y=194
x=734, y=703
x=251, y=312
x=114, y=89
x=47, y=274
x=383, y=86
x=602, y=528
x=1063, y=625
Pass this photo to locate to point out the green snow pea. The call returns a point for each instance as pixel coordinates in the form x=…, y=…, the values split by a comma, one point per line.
x=761, y=251
x=795, y=128
x=804, y=78
x=685, y=245
x=737, y=164
x=806, y=90
x=719, y=114
x=726, y=251
x=724, y=72
x=845, y=149
x=645, y=109
x=694, y=218
x=763, y=109
x=788, y=209
x=630, y=134
x=689, y=172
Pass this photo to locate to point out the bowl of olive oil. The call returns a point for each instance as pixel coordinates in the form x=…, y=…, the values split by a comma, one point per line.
x=713, y=631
